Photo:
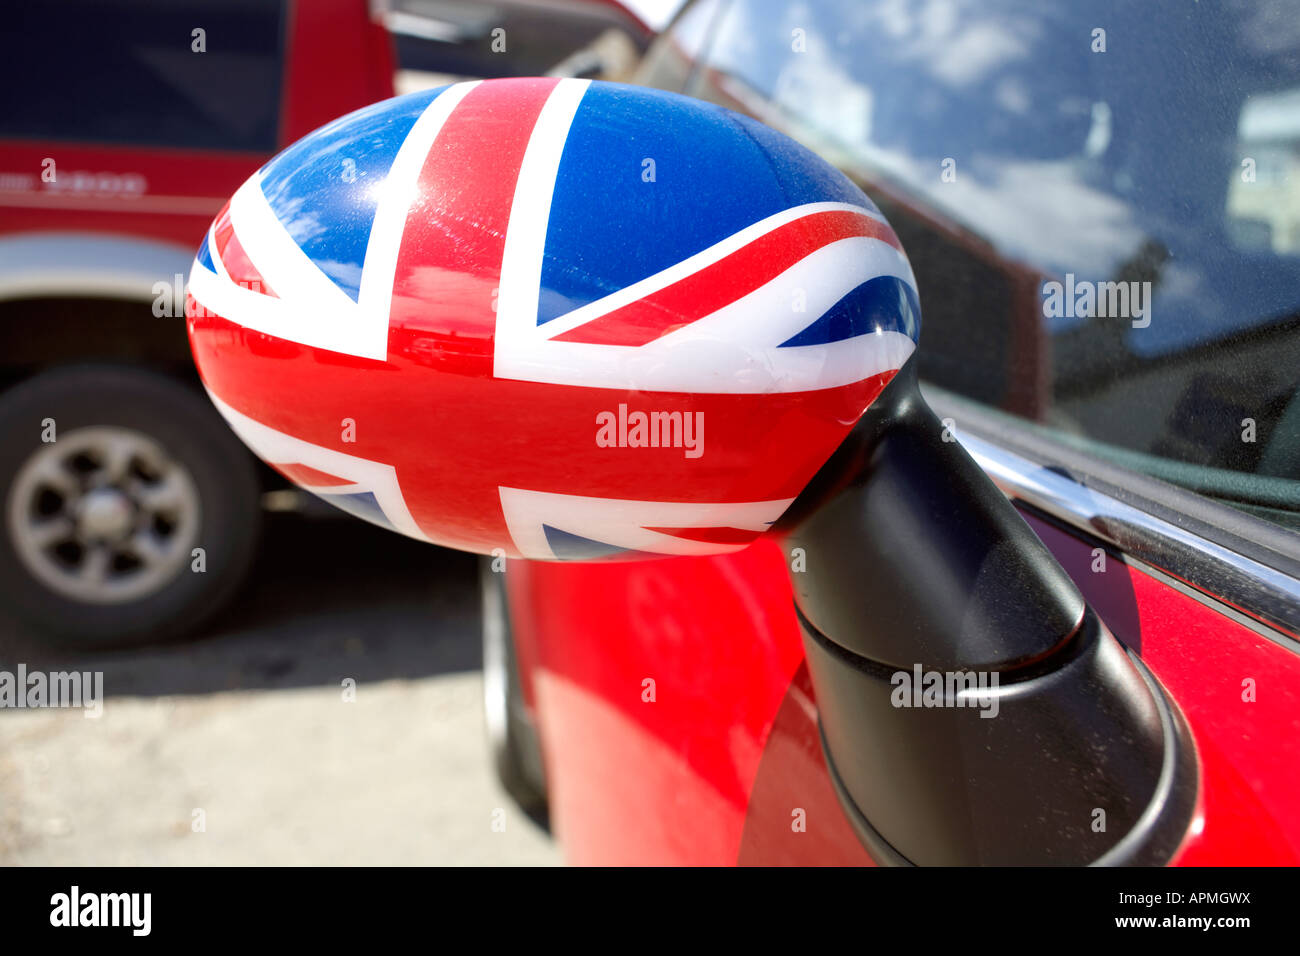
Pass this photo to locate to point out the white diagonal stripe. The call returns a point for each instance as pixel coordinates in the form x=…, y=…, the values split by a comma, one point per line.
x=737, y=349
x=278, y=257
x=395, y=195
x=622, y=523
x=308, y=307
x=701, y=260
x=276, y=447
x=530, y=213
x=767, y=316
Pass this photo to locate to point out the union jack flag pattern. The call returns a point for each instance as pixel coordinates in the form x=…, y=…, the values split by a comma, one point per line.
x=559, y=318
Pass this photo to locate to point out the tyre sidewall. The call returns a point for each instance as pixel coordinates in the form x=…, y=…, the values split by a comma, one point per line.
x=190, y=431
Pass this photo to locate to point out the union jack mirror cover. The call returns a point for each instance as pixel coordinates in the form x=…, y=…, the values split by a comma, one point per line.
x=559, y=318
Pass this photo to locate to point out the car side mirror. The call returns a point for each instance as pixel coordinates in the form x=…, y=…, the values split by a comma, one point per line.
x=559, y=319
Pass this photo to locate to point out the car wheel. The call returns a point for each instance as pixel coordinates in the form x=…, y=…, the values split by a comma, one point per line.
x=130, y=511
x=516, y=750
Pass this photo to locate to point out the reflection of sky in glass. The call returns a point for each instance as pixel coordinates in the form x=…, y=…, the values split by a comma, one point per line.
x=1067, y=160
x=1274, y=116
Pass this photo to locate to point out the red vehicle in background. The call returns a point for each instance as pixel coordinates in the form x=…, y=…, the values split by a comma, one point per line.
x=118, y=482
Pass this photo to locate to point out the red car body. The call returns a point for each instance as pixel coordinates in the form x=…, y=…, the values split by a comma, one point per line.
x=723, y=764
x=715, y=768
x=101, y=203
x=336, y=58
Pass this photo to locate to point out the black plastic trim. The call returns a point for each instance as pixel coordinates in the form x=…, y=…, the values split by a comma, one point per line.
x=914, y=555
x=951, y=788
x=1152, y=843
x=1065, y=752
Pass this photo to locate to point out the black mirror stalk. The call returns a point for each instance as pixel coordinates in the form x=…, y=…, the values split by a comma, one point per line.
x=974, y=709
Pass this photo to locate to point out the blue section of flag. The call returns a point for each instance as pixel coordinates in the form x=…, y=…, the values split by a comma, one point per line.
x=885, y=303
x=362, y=504
x=205, y=254
x=611, y=225
x=322, y=187
x=575, y=547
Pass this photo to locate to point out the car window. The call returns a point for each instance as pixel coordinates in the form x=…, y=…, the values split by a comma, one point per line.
x=194, y=73
x=437, y=41
x=1101, y=203
x=669, y=63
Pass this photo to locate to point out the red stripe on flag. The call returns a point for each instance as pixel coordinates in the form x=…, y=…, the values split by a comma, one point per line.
x=232, y=255
x=455, y=233
x=726, y=280
x=455, y=439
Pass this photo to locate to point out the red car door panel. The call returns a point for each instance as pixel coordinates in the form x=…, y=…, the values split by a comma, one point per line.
x=718, y=761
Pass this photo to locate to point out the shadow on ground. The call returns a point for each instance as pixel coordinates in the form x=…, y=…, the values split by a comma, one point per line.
x=329, y=598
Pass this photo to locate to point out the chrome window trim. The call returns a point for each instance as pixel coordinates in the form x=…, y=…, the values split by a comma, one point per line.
x=1250, y=587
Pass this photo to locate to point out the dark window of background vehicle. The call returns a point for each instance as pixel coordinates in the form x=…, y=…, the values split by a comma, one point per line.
x=465, y=37
x=1010, y=150
x=125, y=72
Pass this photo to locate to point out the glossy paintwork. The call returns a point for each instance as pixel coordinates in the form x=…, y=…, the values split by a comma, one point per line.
x=634, y=780
x=732, y=730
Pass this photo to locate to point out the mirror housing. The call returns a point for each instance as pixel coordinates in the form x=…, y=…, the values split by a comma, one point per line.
x=551, y=318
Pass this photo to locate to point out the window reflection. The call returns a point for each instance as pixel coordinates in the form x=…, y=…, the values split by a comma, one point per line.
x=1143, y=156
x=1264, y=195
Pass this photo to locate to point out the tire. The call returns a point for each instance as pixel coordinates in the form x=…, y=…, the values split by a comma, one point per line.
x=513, y=740
x=100, y=525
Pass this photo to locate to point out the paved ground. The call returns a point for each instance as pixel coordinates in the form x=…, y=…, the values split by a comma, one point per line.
x=249, y=726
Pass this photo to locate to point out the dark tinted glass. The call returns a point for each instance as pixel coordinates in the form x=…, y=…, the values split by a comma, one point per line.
x=1101, y=202
x=126, y=71
x=502, y=38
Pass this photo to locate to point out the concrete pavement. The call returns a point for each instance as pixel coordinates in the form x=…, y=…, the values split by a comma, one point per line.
x=242, y=747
